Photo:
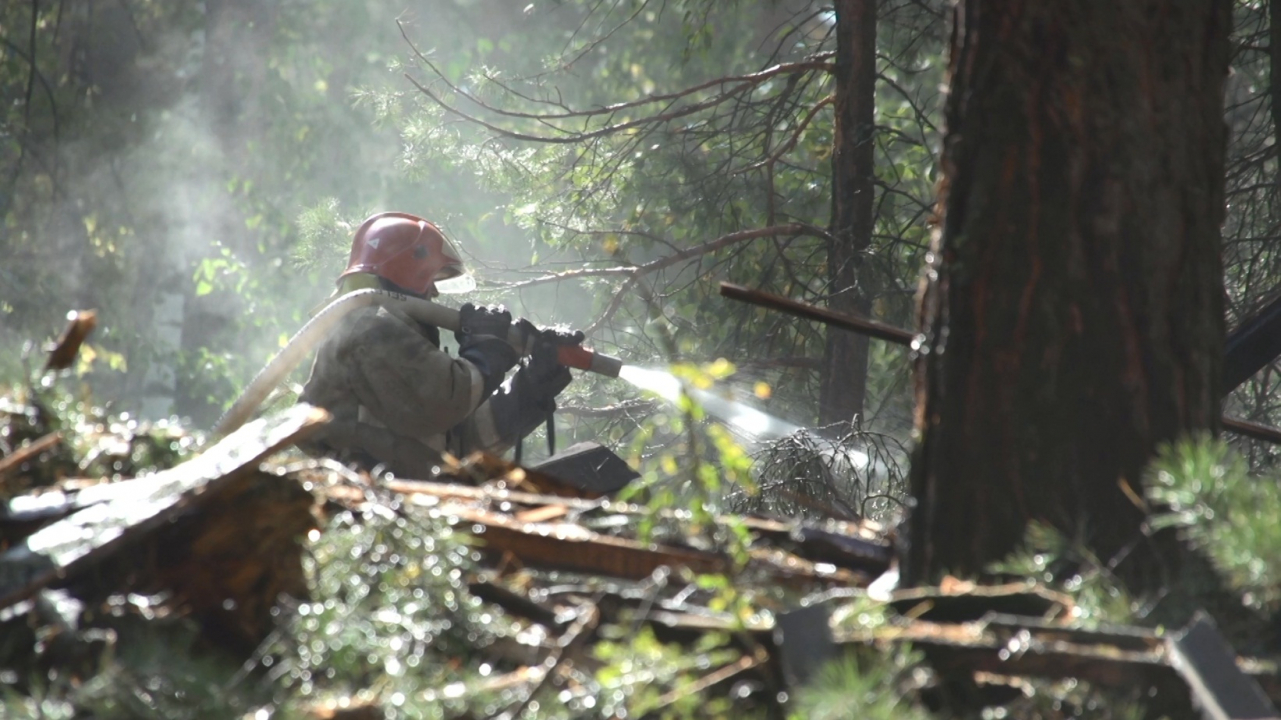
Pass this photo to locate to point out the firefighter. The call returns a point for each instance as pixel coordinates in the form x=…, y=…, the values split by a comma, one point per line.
x=397, y=399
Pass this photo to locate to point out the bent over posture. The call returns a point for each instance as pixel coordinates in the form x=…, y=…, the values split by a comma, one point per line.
x=396, y=397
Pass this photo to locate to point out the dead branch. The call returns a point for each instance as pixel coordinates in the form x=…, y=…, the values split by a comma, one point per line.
x=741, y=83
x=62, y=354
x=666, y=261
x=721, y=674
x=793, y=139
x=28, y=451
x=623, y=408
x=578, y=632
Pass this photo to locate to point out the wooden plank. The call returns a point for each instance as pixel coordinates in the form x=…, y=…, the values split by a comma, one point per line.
x=966, y=601
x=1254, y=343
x=111, y=512
x=574, y=548
x=803, y=642
x=570, y=547
x=847, y=545
x=1119, y=657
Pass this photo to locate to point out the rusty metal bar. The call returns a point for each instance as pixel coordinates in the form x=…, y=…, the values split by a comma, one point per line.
x=892, y=334
x=844, y=321
x=1266, y=433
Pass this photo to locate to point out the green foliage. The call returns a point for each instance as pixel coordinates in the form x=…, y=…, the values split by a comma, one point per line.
x=1203, y=488
x=689, y=464
x=136, y=169
x=654, y=181
x=641, y=675
x=324, y=236
x=1048, y=556
x=861, y=686
x=95, y=442
x=160, y=671
x=1073, y=698
x=860, y=614
x=392, y=614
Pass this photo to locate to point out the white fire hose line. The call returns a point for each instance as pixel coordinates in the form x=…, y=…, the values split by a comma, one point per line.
x=319, y=327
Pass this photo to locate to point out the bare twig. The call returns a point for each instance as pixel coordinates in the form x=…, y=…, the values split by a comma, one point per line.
x=622, y=408
x=721, y=674
x=677, y=256
x=588, y=616
x=738, y=85
x=795, y=137
x=28, y=451
x=31, y=74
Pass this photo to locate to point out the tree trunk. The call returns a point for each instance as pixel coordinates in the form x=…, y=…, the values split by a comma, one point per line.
x=1274, y=64
x=845, y=361
x=1072, y=315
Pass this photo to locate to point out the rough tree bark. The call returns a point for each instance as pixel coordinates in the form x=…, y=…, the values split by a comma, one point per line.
x=844, y=383
x=1072, y=312
x=1274, y=64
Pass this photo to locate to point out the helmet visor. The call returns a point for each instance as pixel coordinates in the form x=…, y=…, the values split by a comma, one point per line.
x=457, y=284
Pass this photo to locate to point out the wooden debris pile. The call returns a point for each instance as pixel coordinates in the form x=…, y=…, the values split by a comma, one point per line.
x=220, y=539
x=216, y=538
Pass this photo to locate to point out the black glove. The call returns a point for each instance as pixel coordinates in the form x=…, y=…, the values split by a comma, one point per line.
x=482, y=340
x=530, y=399
x=543, y=376
x=491, y=320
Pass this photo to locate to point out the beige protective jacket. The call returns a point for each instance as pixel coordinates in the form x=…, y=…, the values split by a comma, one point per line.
x=397, y=399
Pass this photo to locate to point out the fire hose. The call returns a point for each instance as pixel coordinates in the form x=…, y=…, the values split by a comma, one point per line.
x=424, y=311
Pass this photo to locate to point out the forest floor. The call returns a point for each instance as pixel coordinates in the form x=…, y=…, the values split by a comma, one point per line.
x=147, y=571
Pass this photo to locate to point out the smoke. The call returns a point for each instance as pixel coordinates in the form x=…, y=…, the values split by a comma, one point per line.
x=202, y=132
x=208, y=129
x=153, y=186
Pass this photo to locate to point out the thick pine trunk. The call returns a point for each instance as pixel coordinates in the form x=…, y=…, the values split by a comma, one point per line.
x=844, y=385
x=1274, y=64
x=1072, y=316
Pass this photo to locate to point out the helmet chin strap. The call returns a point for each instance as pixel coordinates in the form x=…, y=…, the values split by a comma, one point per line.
x=370, y=281
x=359, y=281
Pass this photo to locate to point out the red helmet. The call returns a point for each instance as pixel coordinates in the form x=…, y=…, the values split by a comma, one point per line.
x=405, y=250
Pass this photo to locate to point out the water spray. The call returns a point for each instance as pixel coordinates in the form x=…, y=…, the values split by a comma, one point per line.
x=746, y=420
x=739, y=416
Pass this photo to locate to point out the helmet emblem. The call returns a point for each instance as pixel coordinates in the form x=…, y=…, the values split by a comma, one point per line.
x=373, y=242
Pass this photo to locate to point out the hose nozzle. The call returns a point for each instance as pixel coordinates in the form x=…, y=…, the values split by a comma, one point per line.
x=581, y=358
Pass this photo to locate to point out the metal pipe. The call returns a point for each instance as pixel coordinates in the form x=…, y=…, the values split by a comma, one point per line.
x=903, y=337
x=844, y=321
